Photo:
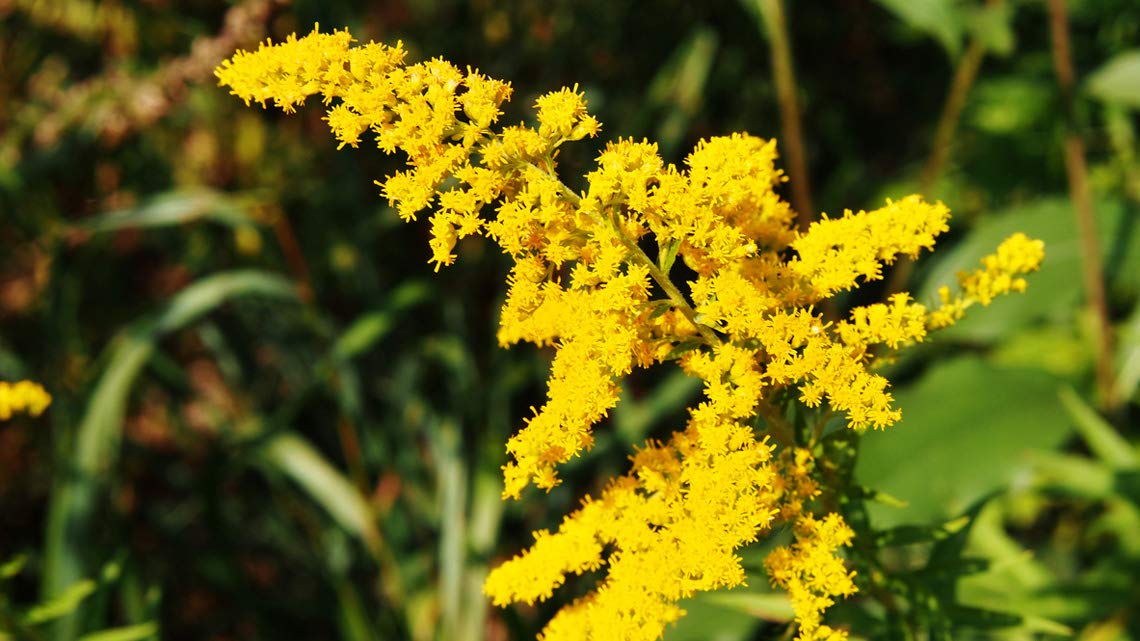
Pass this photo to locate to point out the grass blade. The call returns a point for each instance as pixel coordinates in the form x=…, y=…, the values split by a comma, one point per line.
x=300, y=461
x=174, y=208
x=76, y=495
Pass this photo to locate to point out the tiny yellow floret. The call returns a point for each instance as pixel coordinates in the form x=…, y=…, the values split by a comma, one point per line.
x=22, y=397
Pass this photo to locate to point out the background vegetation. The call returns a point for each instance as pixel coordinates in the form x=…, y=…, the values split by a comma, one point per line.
x=273, y=421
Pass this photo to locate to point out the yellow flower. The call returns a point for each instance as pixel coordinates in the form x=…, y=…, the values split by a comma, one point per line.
x=1000, y=274
x=893, y=324
x=592, y=278
x=673, y=523
x=22, y=397
x=812, y=573
x=835, y=253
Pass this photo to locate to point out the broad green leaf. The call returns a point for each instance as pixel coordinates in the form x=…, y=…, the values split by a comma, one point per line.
x=95, y=453
x=1118, y=81
x=127, y=633
x=964, y=434
x=175, y=208
x=941, y=19
x=769, y=606
x=992, y=25
x=1010, y=104
x=706, y=620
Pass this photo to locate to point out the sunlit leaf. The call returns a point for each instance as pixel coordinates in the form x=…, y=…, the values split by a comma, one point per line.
x=950, y=450
x=1118, y=80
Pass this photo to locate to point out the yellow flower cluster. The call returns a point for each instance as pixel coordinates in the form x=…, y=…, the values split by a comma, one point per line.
x=812, y=573
x=22, y=397
x=1000, y=274
x=836, y=252
x=587, y=282
x=671, y=525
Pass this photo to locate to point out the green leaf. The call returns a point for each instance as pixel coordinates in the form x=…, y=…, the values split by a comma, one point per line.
x=1051, y=348
x=1128, y=357
x=992, y=25
x=683, y=347
x=354, y=623
x=95, y=453
x=769, y=606
x=1118, y=81
x=297, y=459
x=65, y=603
x=362, y=334
x=1072, y=475
x=1010, y=105
x=1017, y=583
x=371, y=327
x=910, y=534
x=964, y=434
x=13, y=566
x=633, y=418
x=126, y=633
x=175, y=208
x=706, y=619
x=940, y=19
x=1101, y=437
x=677, y=90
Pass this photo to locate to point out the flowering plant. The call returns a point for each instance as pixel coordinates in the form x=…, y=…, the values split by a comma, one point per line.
x=596, y=276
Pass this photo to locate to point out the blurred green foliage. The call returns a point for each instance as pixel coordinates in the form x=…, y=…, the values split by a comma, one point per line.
x=272, y=421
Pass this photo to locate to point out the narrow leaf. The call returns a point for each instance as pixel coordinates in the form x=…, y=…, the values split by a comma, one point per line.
x=1101, y=437
x=126, y=633
x=307, y=467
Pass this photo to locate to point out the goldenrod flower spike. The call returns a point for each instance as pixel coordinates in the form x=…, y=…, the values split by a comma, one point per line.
x=835, y=253
x=583, y=283
x=1000, y=274
x=23, y=397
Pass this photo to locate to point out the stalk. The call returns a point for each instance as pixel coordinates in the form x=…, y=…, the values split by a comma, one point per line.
x=1077, y=173
x=656, y=273
x=784, y=76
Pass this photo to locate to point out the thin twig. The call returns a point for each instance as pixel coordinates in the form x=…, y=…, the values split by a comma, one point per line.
x=783, y=73
x=659, y=276
x=294, y=257
x=965, y=73
x=1077, y=172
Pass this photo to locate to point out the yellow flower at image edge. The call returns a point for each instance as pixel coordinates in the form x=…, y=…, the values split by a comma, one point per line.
x=23, y=397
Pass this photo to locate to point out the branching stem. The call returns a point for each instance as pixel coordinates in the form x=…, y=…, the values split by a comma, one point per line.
x=639, y=256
